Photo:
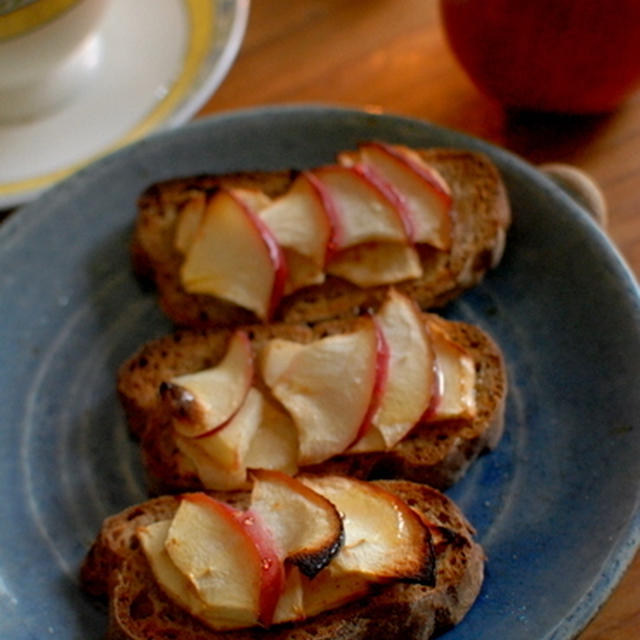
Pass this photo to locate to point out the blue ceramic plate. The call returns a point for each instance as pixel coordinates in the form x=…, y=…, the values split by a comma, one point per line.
x=556, y=505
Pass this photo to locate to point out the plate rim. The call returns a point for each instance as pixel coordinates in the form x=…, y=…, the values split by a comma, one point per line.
x=619, y=555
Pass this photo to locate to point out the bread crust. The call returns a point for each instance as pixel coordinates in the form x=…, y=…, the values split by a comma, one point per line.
x=481, y=217
x=437, y=454
x=116, y=567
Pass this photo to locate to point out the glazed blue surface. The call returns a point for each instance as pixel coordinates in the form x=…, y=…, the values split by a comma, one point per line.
x=556, y=506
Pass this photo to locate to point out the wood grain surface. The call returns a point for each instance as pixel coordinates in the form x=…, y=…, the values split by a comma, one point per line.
x=392, y=57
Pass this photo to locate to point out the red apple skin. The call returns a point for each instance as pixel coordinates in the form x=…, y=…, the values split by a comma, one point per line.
x=175, y=394
x=309, y=564
x=442, y=193
x=380, y=381
x=330, y=211
x=388, y=191
x=171, y=393
x=437, y=388
x=277, y=258
x=272, y=577
x=436, y=394
x=572, y=56
x=336, y=241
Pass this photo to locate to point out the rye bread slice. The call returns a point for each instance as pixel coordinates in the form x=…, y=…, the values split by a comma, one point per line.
x=481, y=216
x=116, y=567
x=437, y=454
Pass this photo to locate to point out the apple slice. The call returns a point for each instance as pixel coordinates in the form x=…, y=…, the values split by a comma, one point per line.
x=332, y=588
x=385, y=539
x=300, y=220
x=229, y=558
x=456, y=372
x=254, y=199
x=189, y=217
x=275, y=443
x=204, y=401
x=376, y=263
x=290, y=606
x=426, y=195
x=176, y=585
x=300, y=596
x=276, y=357
x=411, y=377
x=379, y=383
x=179, y=587
x=305, y=597
x=234, y=256
x=363, y=211
x=301, y=271
x=370, y=441
x=306, y=527
x=220, y=457
x=271, y=564
x=327, y=412
x=390, y=194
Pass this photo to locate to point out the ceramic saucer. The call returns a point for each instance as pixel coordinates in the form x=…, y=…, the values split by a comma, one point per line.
x=158, y=61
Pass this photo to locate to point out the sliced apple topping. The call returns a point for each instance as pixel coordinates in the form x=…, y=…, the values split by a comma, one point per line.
x=332, y=588
x=228, y=561
x=339, y=536
x=328, y=413
x=359, y=219
x=271, y=565
x=384, y=538
x=254, y=199
x=304, y=403
x=177, y=585
x=390, y=194
x=307, y=527
x=301, y=271
x=204, y=401
x=220, y=457
x=372, y=440
x=456, y=377
x=430, y=173
x=380, y=380
x=304, y=597
x=299, y=220
x=424, y=192
x=411, y=369
x=275, y=443
x=189, y=218
x=234, y=256
x=290, y=606
x=376, y=263
x=364, y=214
x=276, y=357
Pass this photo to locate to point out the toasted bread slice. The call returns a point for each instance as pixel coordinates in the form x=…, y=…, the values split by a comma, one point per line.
x=117, y=568
x=437, y=454
x=481, y=216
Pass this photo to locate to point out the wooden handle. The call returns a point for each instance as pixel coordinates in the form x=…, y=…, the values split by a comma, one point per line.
x=580, y=186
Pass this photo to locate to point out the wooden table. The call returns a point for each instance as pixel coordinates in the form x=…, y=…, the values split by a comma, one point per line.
x=391, y=56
